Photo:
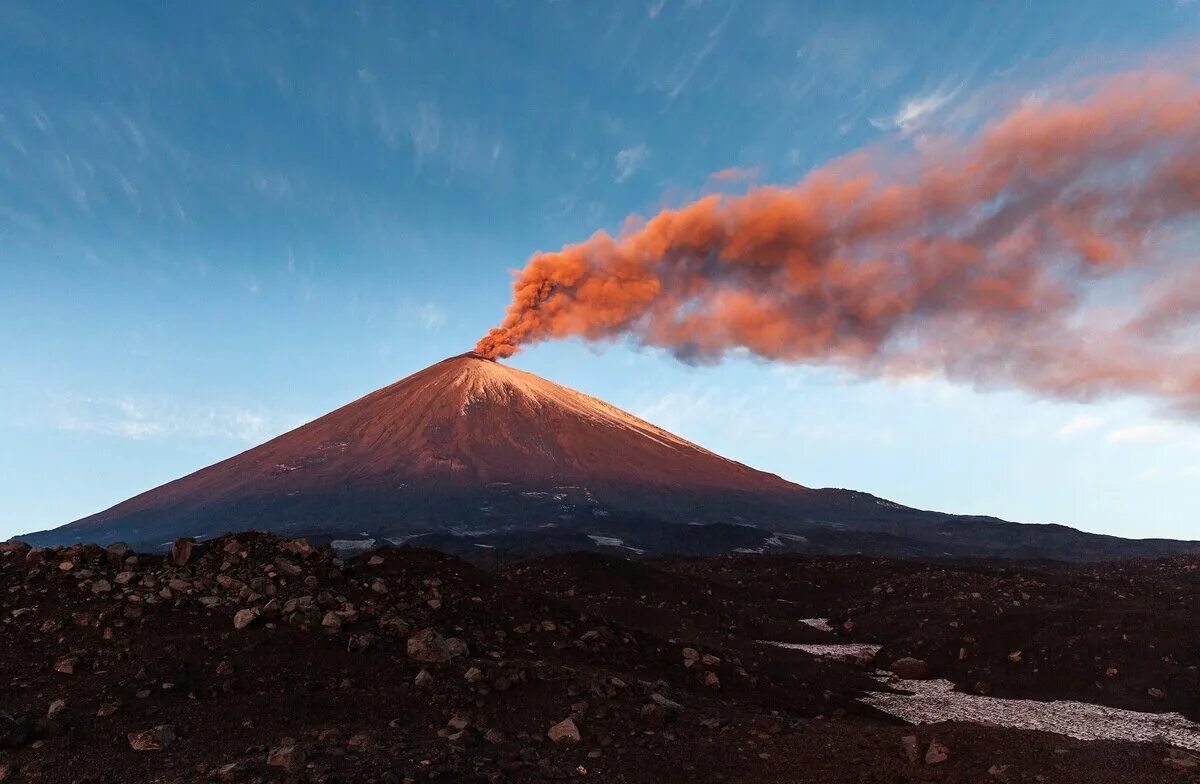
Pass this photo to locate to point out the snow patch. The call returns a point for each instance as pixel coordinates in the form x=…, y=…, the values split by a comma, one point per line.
x=612, y=541
x=933, y=701
x=820, y=624
x=351, y=545
x=847, y=652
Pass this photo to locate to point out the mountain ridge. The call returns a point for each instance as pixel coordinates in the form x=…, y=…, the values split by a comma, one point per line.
x=469, y=446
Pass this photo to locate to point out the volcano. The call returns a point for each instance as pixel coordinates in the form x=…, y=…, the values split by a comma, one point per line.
x=472, y=448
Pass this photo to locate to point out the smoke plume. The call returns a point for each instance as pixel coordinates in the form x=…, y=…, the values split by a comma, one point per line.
x=1049, y=251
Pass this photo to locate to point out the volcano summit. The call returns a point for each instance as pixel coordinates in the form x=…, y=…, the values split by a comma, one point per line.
x=472, y=448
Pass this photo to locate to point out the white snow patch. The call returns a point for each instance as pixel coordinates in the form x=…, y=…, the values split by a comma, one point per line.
x=612, y=541
x=821, y=624
x=792, y=537
x=935, y=701
x=846, y=652
x=351, y=545
x=773, y=541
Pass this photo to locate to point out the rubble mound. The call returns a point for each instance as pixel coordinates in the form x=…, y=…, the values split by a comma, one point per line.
x=260, y=658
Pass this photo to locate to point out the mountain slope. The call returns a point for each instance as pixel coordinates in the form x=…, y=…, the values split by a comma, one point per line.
x=469, y=446
x=456, y=444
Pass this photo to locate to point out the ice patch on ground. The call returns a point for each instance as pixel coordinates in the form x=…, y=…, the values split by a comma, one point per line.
x=935, y=700
x=846, y=652
x=351, y=545
x=612, y=541
x=820, y=624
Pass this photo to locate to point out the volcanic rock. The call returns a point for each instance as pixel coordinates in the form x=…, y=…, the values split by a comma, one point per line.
x=565, y=732
x=910, y=669
x=155, y=739
x=428, y=646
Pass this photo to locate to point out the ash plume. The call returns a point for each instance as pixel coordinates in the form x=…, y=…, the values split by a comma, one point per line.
x=1047, y=252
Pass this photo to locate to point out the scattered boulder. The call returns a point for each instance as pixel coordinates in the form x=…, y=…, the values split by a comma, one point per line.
x=243, y=618
x=181, y=551
x=565, y=732
x=428, y=646
x=155, y=739
x=910, y=669
x=936, y=753
x=286, y=755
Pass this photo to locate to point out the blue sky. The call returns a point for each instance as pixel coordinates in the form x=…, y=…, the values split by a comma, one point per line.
x=220, y=220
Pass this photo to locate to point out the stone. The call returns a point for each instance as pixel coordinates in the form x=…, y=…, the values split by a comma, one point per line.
x=428, y=646
x=286, y=755
x=473, y=675
x=116, y=552
x=655, y=715
x=243, y=618
x=565, y=732
x=101, y=586
x=155, y=739
x=936, y=753
x=181, y=551
x=911, y=748
x=66, y=665
x=424, y=678
x=910, y=669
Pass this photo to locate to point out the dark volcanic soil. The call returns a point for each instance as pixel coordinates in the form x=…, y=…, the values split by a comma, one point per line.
x=257, y=658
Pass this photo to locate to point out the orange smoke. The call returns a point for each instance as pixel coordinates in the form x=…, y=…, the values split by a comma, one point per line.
x=1037, y=254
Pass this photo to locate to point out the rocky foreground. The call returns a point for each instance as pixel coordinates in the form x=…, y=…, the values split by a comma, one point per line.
x=256, y=658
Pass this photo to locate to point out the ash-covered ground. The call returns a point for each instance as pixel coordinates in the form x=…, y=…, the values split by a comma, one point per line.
x=257, y=658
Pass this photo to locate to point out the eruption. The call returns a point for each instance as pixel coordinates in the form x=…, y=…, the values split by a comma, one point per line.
x=1047, y=252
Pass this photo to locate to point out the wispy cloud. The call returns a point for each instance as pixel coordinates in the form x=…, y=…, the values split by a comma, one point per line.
x=425, y=131
x=629, y=160
x=1080, y=424
x=687, y=67
x=1153, y=432
x=736, y=174
x=430, y=316
x=915, y=111
x=130, y=417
